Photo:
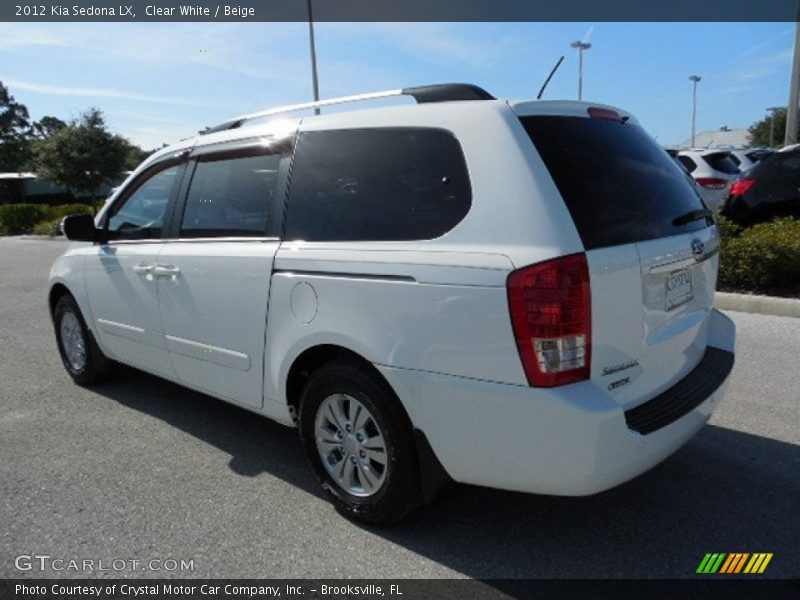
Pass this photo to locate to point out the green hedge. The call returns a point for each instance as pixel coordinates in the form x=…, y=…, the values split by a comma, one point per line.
x=59, y=212
x=16, y=219
x=764, y=258
x=21, y=218
x=49, y=227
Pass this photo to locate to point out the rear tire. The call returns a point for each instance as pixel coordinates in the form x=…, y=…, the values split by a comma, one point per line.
x=351, y=420
x=80, y=354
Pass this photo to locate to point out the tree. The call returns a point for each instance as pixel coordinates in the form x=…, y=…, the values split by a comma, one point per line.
x=40, y=131
x=47, y=126
x=760, y=130
x=136, y=156
x=15, y=131
x=83, y=155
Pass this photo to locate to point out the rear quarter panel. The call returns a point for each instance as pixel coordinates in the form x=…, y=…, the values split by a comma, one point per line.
x=410, y=311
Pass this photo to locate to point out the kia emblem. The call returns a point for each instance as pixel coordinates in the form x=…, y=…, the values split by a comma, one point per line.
x=698, y=248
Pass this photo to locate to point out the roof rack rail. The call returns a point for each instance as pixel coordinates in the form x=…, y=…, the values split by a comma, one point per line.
x=444, y=92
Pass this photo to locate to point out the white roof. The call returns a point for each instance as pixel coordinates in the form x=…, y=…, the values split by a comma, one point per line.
x=730, y=138
x=17, y=175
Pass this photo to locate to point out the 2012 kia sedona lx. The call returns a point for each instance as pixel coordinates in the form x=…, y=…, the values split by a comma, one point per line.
x=510, y=294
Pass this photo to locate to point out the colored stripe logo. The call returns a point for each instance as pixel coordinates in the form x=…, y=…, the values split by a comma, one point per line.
x=734, y=562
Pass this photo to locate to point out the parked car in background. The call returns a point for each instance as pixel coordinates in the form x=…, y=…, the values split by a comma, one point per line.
x=746, y=158
x=770, y=189
x=510, y=294
x=713, y=169
x=705, y=194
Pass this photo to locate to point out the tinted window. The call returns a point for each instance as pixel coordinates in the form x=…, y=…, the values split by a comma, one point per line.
x=141, y=214
x=618, y=184
x=757, y=155
x=230, y=197
x=377, y=184
x=722, y=161
x=736, y=160
x=791, y=163
x=688, y=163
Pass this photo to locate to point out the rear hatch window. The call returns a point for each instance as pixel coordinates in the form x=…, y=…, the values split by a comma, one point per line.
x=723, y=162
x=619, y=186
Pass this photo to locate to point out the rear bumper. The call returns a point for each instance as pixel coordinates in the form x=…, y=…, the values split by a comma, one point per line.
x=573, y=440
x=714, y=198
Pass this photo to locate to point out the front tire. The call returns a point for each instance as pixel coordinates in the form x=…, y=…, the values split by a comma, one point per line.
x=359, y=443
x=80, y=354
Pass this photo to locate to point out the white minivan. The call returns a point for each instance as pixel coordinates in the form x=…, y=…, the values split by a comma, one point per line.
x=510, y=294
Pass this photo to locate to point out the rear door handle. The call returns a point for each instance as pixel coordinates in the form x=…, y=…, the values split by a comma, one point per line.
x=166, y=271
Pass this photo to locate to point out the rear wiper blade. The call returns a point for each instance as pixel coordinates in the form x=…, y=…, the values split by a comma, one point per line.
x=692, y=215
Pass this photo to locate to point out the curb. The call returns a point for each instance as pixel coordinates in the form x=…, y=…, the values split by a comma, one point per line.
x=761, y=305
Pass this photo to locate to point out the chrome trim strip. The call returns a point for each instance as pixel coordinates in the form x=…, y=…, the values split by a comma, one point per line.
x=113, y=326
x=674, y=265
x=682, y=263
x=344, y=275
x=208, y=353
x=230, y=239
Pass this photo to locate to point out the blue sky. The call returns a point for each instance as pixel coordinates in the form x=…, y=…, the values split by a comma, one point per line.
x=159, y=82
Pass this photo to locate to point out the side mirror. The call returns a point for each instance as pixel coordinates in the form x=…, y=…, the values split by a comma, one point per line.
x=79, y=228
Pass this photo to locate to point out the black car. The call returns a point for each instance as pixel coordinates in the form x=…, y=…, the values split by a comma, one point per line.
x=770, y=189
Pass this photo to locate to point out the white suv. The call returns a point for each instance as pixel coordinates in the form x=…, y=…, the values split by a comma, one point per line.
x=510, y=294
x=714, y=170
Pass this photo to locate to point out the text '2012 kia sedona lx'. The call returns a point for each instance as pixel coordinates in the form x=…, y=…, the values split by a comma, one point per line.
x=509, y=294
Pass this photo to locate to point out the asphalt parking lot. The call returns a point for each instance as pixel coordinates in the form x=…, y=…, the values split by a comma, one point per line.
x=141, y=468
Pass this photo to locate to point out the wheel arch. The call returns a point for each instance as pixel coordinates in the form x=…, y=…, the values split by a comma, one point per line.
x=57, y=290
x=60, y=288
x=313, y=358
x=433, y=475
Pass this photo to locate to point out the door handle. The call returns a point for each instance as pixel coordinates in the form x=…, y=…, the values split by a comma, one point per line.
x=166, y=271
x=143, y=269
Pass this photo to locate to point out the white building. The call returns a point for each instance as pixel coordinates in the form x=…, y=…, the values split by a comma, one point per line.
x=713, y=138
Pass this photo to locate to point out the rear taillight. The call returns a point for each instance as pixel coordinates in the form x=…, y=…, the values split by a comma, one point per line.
x=740, y=186
x=712, y=183
x=550, y=307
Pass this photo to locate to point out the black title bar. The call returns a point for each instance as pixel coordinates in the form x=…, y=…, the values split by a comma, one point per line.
x=401, y=10
x=701, y=587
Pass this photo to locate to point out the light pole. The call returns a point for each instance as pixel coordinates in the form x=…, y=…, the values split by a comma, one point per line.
x=772, y=110
x=581, y=46
x=694, y=79
x=790, y=136
x=314, y=80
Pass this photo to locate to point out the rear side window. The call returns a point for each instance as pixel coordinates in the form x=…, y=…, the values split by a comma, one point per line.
x=618, y=184
x=688, y=163
x=722, y=161
x=376, y=185
x=230, y=197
